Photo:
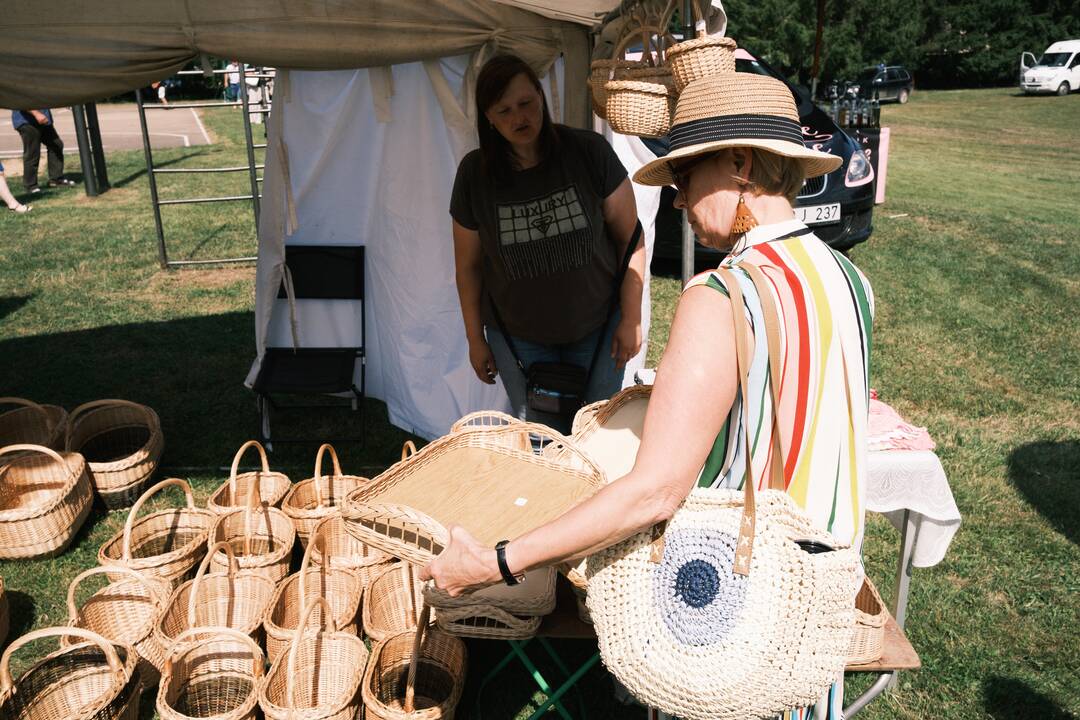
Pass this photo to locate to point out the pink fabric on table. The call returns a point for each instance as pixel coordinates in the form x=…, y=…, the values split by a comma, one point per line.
x=888, y=431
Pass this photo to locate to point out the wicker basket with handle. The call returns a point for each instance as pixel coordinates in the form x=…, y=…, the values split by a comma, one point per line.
x=319, y=675
x=701, y=56
x=640, y=108
x=92, y=680
x=261, y=536
x=231, y=599
x=393, y=601
x=32, y=424
x=310, y=501
x=870, y=618
x=600, y=74
x=211, y=672
x=167, y=543
x=273, y=486
x=124, y=612
x=44, y=500
x=122, y=443
x=415, y=675
x=346, y=552
x=340, y=588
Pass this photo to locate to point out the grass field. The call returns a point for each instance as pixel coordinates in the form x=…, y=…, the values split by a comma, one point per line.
x=974, y=262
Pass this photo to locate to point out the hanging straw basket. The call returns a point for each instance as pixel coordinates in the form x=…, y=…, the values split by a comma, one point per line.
x=273, y=486
x=702, y=56
x=415, y=675
x=93, y=680
x=44, y=499
x=657, y=74
x=32, y=424
x=5, y=622
x=319, y=676
x=340, y=588
x=600, y=73
x=123, y=612
x=232, y=599
x=639, y=108
x=393, y=601
x=122, y=443
x=165, y=544
x=346, y=552
x=870, y=619
x=311, y=500
x=261, y=536
x=212, y=672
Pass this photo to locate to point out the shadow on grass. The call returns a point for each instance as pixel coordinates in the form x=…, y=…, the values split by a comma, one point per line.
x=1048, y=476
x=1012, y=699
x=9, y=305
x=158, y=164
x=21, y=611
x=191, y=371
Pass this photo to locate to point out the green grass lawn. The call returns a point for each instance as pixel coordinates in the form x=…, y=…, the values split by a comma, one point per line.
x=974, y=262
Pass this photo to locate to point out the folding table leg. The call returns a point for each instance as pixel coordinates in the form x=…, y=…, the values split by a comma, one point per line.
x=553, y=698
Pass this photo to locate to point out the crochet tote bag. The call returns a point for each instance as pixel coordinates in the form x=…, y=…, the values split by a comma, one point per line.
x=722, y=614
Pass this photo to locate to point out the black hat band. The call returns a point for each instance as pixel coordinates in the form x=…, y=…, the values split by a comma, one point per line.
x=735, y=127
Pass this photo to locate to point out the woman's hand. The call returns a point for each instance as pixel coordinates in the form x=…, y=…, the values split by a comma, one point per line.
x=483, y=361
x=626, y=341
x=463, y=566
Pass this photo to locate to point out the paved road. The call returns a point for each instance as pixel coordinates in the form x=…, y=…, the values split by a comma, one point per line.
x=119, y=130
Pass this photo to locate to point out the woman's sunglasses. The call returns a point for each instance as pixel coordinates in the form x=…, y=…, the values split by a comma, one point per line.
x=680, y=173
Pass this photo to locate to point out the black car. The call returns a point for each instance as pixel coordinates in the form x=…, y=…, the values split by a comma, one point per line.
x=885, y=82
x=838, y=206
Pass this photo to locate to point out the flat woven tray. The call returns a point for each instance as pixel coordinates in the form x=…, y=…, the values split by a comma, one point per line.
x=474, y=479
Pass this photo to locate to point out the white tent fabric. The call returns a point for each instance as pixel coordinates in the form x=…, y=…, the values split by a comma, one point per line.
x=369, y=157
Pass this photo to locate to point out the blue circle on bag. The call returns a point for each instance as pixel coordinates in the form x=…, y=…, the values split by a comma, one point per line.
x=697, y=595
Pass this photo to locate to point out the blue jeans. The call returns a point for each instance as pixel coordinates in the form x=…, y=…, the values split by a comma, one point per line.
x=604, y=381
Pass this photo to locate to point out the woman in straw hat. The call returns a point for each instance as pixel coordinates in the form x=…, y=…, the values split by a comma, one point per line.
x=738, y=160
x=542, y=215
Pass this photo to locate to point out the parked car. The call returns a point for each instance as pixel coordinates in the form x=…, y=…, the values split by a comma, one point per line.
x=839, y=206
x=885, y=82
x=1057, y=71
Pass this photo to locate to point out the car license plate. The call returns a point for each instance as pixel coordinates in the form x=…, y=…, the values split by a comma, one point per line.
x=819, y=214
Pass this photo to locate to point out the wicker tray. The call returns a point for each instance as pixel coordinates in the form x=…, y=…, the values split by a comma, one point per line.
x=487, y=622
x=870, y=618
x=32, y=424
x=473, y=479
x=532, y=597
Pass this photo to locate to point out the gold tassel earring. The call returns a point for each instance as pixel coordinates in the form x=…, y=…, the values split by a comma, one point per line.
x=744, y=219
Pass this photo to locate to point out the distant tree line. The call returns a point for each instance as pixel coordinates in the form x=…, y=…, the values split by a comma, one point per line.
x=950, y=43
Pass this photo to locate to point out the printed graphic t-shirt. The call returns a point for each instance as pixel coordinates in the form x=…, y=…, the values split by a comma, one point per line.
x=548, y=262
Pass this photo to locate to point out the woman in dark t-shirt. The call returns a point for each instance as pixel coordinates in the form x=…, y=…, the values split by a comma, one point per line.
x=542, y=215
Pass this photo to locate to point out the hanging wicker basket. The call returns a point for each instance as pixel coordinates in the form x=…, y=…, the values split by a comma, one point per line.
x=273, y=486
x=415, y=675
x=600, y=74
x=341, y=590
x=122, y=444
x=393, y=601
x=639, y=108
x=319, y=676
x=870, y=618
x=702, y=56
x=345, y=552
x=44, y=500
x=232, y=599
x=123, y=612
x=93, y=680
x=32, y=424
x=165, y=544
x=211, y=672
x=310, y=501
x=261, y=536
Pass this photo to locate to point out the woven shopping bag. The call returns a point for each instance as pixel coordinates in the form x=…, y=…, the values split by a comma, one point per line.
x=722, y=614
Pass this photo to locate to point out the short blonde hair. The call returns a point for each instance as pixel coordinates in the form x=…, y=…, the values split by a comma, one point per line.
x=772, y=174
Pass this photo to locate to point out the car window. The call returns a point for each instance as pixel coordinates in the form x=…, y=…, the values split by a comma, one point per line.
x=894, y=74
x=867, y=76
x=1054, y=59
x=1076, y=60
x=905, y=75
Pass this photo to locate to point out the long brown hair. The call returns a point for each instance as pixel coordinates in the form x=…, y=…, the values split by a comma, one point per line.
x=495, y=76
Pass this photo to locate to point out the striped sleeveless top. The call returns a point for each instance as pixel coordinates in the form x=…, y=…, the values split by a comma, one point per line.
x=825, y=307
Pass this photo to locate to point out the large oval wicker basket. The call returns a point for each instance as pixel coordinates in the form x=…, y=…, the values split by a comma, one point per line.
x=310, y=501
x=32, y=424
x=261, y=536
x=44, y=500
x=231, y=599
x=93, y=680
x=341, y=590
x=122, y=443
x=211, y=672
x=166, y=544
x=273, y=486
x=124, y=612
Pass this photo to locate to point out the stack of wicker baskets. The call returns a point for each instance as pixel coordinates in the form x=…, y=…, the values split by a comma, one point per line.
x=32, y=424
x=261, y=536
x=310, y=501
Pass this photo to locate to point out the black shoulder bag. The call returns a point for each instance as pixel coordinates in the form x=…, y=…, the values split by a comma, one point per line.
x=559, y=388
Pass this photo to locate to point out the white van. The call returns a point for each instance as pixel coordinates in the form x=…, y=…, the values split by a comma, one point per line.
x=1057, y=71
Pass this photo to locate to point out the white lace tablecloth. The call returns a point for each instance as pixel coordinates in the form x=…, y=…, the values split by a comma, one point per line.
x=900, y=480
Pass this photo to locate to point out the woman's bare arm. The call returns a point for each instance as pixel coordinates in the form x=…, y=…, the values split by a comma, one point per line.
x=620, y=216
x=468, y=258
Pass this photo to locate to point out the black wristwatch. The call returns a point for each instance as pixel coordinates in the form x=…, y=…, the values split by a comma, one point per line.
x=500, y=554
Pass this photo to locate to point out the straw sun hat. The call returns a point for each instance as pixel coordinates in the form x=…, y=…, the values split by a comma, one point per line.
x=736, y=110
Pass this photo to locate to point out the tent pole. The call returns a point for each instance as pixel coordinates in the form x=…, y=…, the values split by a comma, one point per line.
x=96, y=147
x=250, y=144
x=85, y=157
x=163, y=257
x=687, y=233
